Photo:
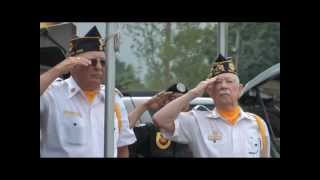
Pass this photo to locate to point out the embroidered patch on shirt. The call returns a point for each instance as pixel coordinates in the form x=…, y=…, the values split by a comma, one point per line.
x=71, y=113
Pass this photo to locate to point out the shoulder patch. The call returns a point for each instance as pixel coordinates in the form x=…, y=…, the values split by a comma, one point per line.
x=252, y=115
x=200, y=108
x=200, y=113
x=59, y=79
x=56, y=83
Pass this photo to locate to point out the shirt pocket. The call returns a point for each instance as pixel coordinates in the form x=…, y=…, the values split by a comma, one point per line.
x=74, y=130
x=253, y=146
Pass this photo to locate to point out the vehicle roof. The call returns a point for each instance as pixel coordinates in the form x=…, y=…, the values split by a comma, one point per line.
x=199, y=100
x=270, y=73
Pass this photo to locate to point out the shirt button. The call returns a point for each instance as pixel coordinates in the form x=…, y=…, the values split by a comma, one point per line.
x=73, y=89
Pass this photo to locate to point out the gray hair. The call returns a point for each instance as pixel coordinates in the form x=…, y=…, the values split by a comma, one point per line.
x=237, y=79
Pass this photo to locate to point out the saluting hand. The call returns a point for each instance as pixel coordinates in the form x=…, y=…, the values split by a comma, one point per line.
x=159, y=100
x=69, y=63
x=202, y=87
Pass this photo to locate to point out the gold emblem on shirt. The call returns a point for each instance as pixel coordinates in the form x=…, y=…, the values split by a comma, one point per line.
x=71, y=113
x=214, y=136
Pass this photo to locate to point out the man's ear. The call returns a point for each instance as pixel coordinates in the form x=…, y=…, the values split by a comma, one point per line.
x=240, y=89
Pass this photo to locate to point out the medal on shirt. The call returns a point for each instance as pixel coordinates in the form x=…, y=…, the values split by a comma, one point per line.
x=162, y=142
x=214, y=136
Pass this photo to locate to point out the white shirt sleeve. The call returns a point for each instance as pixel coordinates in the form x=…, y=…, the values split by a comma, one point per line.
x=126, y=135
x=43, y=102
x=44, y=106
x=184, y=128
x=46, y=99
x=268, y=140
x=48, y=95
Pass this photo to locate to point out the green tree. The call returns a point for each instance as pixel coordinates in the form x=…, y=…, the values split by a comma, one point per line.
x=185, y=53
x=259, y=47
x=194, y=51
x=147, y=38
x=181, y=54
x=126, y=79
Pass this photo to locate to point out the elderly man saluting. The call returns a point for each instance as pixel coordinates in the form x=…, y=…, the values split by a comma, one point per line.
x=226, y=131
x=72, y=110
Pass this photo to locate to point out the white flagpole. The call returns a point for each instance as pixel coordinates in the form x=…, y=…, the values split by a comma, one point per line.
x=223, y=39
x=109, y=100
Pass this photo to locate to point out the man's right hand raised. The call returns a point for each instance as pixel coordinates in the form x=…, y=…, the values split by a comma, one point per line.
x=159, y=100
x=202, y=87
x=70, y=62
x=64, y=67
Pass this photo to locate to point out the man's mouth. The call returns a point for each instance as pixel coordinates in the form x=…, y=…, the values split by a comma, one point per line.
x=98, y=76
x=224, y=93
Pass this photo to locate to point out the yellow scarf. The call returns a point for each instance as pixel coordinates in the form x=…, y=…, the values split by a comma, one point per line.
x=90, y=95
x=230, y=116
x=117, y=109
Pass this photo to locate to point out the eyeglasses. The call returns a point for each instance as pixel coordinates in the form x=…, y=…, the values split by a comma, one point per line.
x=94, y=62
x=227, y=80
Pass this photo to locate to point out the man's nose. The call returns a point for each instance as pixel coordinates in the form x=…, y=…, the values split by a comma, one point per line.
x=99, y=66
x=223, y=84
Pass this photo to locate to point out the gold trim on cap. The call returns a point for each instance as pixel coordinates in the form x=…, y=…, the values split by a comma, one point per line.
x=222, y=62
x=77, y=38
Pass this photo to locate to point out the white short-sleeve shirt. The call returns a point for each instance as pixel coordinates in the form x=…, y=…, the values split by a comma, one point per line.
x=72, y=127
x=196, y=128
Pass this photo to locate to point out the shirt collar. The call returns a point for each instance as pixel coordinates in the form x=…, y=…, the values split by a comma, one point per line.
x=215, y=115
x=102, y=92
x=73, y=89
